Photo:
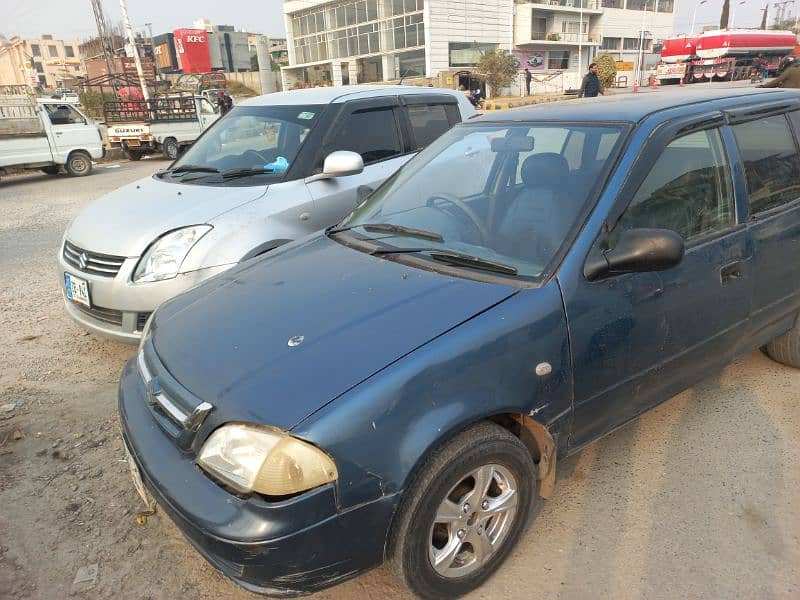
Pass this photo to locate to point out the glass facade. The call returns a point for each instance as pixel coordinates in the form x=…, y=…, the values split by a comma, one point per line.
x=467, y=54
x=348, y=29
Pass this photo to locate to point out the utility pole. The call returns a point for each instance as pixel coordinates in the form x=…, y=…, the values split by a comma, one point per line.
x=132, y=40
x=104, y=36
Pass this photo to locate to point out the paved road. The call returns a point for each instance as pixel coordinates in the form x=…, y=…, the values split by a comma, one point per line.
x=699, y=498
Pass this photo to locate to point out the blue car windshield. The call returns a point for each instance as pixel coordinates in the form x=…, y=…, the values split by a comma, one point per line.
x=251, y=140
x=509, y=194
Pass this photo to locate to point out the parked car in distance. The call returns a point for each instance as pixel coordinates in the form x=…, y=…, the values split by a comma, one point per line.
x=46, y=134
x=67, y=96
x=275, y=169
x=398, y=387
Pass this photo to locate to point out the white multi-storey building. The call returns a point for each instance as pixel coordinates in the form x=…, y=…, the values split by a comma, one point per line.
x=335, y=42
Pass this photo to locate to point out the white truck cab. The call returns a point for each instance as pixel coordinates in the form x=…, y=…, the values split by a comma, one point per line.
x=165, y=123
x=46, y=134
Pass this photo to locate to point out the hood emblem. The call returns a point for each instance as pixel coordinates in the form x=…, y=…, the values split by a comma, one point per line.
x=295, y=341
x=83, y=260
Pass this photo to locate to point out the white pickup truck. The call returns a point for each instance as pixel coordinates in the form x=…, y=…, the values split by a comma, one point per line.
x=46, y=134
x=165, y=123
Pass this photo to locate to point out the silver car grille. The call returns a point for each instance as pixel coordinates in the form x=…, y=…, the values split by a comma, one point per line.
x=94, y=263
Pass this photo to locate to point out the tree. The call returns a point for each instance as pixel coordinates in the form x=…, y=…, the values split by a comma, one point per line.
x=724, y=15
x=498, y=68
x=764, y=16
x=606, y=69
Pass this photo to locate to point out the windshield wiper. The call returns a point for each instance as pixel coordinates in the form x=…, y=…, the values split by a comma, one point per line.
x=245, y=172
x=391, y=228
x=193, y=169
x=454, y=258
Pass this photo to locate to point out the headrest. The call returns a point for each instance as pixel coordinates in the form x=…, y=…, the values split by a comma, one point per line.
x=547, y=169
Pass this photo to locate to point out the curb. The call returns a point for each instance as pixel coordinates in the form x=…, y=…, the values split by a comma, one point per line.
x=507, y=105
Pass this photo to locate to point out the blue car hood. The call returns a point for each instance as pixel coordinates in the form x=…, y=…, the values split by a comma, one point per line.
x=277, y=338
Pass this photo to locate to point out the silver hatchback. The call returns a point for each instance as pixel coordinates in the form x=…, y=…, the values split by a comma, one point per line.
x=273, y=170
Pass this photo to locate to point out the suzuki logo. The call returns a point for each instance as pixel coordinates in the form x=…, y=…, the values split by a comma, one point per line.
x=83, y=260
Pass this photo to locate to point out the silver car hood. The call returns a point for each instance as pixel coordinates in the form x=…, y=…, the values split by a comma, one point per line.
x=126, y=221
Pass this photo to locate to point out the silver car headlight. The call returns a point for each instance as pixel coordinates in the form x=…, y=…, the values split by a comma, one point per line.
x=163, y=259
x=267, y=460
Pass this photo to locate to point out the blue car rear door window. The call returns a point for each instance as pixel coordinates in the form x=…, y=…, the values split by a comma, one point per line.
x=772, y=172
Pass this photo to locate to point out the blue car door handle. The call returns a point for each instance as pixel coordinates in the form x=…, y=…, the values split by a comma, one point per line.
x=730, y=272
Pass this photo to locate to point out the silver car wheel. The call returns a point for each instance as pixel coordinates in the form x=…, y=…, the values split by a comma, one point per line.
x=473, y=521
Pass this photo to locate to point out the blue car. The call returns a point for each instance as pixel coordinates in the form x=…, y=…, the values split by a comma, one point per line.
x=399, y=387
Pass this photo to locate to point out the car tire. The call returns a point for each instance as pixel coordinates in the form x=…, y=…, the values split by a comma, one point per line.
x=170, y=149
x=50, y=170
x=133, y=154
x=786, y=348
x=79, y=164
x=445, y=483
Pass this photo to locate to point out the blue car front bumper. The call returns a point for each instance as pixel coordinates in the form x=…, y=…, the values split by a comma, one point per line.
x=291, y=547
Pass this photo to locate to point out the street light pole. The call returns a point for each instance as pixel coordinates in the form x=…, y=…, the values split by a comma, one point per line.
x=733, y=12
x=694, y=16
x=638, y=76
x=153, y=50
x=580, y=39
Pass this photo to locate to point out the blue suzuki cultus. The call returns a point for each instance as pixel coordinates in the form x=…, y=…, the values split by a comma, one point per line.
x=398, y=387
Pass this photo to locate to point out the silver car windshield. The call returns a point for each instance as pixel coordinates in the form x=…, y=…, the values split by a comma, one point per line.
x=254, y=140
x=501, y=198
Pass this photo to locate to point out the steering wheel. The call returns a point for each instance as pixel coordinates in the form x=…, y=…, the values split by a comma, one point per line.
x=261, y=158
x=465, y=209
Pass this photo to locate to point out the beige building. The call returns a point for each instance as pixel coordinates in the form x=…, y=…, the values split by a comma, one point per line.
x=44, y=61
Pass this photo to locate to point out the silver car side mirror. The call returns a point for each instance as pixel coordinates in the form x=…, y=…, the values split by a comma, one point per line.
x=339, y=164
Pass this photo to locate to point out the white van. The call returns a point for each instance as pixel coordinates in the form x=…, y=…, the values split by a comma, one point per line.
x=46, y=134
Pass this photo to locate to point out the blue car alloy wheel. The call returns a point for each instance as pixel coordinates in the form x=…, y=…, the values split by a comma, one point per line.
x=463, y=512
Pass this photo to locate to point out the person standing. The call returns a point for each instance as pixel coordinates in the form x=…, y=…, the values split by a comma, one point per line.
x=528, y=78
x=590, y=86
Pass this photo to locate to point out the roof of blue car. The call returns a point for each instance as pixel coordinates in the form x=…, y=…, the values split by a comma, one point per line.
x=634, y=107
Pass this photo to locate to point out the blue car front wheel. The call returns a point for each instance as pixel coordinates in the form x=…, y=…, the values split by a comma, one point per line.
x=463, y=512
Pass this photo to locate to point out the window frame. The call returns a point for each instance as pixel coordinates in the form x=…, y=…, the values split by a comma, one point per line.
x=794, y=132
x=661, y=136
x=353, y=106
x=708, y=236
x=449, y=104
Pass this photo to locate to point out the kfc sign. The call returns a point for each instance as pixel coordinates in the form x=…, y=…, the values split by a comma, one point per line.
x=196, y=38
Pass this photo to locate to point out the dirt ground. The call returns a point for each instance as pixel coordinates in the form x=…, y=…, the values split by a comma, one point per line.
x=700, y=498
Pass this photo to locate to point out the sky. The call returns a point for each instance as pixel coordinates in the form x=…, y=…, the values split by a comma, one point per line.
x=73, y=19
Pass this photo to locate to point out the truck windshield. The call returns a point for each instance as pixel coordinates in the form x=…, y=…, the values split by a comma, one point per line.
x=251, y=141
x=503, y=198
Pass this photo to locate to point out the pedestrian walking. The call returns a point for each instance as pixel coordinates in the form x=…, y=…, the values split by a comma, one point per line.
x=528, y=78
x=590, y=86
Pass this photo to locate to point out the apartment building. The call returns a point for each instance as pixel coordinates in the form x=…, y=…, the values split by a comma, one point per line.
x=43, y=61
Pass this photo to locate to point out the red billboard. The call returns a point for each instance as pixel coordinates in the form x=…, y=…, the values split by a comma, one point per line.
x=191, y=46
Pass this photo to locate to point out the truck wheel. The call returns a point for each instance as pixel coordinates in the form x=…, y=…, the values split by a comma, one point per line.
x=786, y=348
x=79, y=164
x=133, y=154
x=463, y=512
x=170, y=148
x=50, y=169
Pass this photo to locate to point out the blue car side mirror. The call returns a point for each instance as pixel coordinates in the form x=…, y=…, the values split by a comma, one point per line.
x=637, y=251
